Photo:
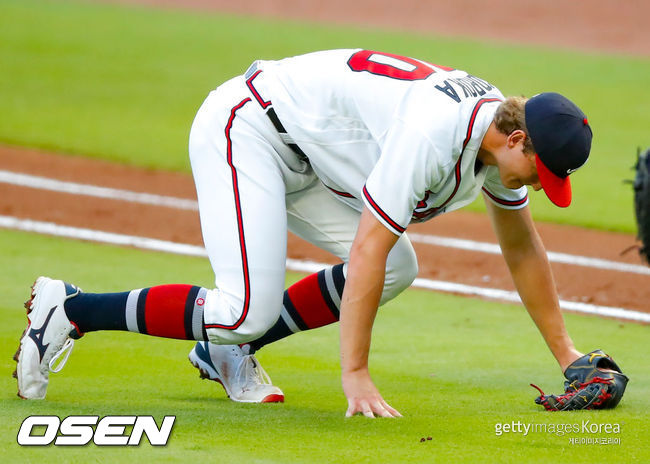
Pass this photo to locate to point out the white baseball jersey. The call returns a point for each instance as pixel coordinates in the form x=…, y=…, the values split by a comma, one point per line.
x=398, y=134
x=303, y=143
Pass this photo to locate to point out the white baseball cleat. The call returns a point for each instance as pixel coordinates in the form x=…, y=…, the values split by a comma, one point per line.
x=46, y=338
x=240, y=374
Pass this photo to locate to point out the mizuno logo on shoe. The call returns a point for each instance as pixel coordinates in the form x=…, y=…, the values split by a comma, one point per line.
x=37, y=335
x=203, y=353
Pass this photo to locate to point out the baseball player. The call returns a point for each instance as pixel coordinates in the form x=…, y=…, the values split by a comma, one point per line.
x=345, y=148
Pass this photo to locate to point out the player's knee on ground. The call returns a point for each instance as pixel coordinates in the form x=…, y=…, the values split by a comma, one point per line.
x=230, y=321
x=401, y=269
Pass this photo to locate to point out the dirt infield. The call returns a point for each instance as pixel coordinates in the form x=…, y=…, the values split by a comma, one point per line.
x=575, y=283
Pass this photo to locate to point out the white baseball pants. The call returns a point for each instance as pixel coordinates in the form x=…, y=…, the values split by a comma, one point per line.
x=251, y=188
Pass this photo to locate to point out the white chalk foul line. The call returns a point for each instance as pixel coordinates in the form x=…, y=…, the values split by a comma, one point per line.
x=553, y=256
x=146, y=243
x=44, y=183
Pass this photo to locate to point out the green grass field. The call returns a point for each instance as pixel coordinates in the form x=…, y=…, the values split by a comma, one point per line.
x=455, y=367
x=123, y=83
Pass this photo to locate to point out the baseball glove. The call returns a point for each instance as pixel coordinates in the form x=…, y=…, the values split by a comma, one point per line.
x=642, y=202
x=594, y=381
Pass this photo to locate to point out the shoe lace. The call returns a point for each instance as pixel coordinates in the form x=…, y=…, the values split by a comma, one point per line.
x=65, y=351
x=250, y=371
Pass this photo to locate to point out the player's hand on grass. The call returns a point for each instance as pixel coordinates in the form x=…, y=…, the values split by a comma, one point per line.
x=363, y=397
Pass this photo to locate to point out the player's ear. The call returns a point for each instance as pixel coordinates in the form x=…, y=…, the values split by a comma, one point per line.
x=515, y=137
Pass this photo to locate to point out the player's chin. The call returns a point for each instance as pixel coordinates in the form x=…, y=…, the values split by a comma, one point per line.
x=511, y=183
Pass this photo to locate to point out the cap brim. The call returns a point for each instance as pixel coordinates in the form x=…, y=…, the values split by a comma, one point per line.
x=557, y=189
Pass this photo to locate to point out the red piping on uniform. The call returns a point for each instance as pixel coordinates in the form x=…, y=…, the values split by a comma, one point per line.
x=258, y=97
x=457, y=171
x=473, y=118
x=240, y=225
x=339, y=193
x=468, y=137
x=381, y=212
x=506, y=202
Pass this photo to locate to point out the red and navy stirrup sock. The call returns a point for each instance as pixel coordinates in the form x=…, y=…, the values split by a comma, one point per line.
x=171, y=311
x=308, y=304
x=176, y=311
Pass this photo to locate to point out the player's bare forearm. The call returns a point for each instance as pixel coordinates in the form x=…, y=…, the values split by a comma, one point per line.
x=363, y=288
x=532, y=276
x=361, y=296
x=531, y=272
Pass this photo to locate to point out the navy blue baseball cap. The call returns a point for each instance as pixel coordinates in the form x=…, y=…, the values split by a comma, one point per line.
x=561, y=137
